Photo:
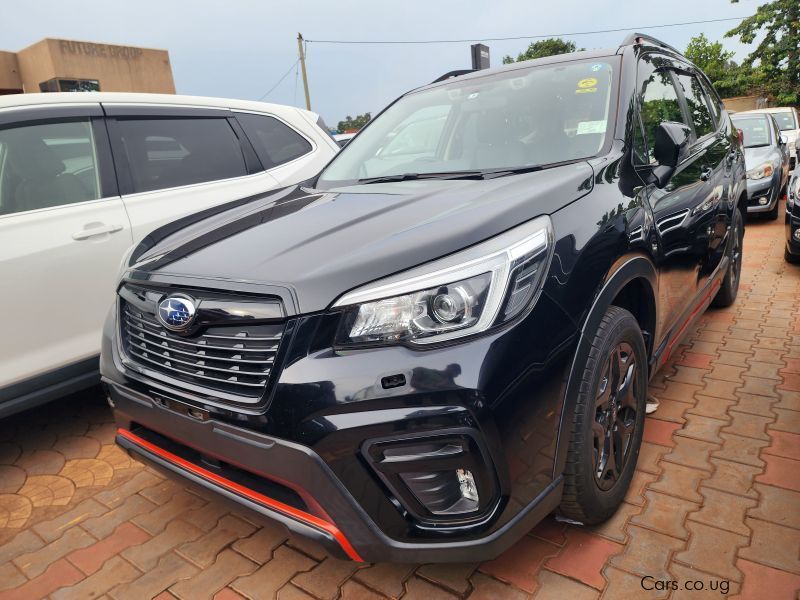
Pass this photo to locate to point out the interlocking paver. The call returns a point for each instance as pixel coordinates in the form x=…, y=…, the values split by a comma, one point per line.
x=169, y=570
x=453, y=576
x=276, y=573
x=91, y=558
x=203, y=550
x=714, y=549
x=35, y=563
x=113, y=573
x=519, y=564
x=665, y=514
x=715, y=495
x=146, y=555
x=723, y=510
x=56, y=575
x=228, y=566
x=773, y=545
x=583, y=557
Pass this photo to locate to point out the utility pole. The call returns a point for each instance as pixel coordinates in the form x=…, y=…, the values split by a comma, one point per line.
x=303, y=68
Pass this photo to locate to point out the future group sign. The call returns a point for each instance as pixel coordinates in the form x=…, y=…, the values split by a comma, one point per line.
x=99, y=50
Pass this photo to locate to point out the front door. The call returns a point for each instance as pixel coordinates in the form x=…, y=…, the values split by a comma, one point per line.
x=680, y=239
x=63, y=232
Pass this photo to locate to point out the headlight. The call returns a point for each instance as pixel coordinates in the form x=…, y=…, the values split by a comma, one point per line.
x=794, y=192
x=462, y=294
x=761, y=171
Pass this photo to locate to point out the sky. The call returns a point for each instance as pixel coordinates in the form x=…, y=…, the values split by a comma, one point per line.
x=241, y=48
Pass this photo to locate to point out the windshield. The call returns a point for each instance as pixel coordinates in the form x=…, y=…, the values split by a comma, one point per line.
x=511, y=120
x=785, y=120
x=755, y=130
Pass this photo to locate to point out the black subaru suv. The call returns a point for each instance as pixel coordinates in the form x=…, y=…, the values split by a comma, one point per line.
x=448, y=333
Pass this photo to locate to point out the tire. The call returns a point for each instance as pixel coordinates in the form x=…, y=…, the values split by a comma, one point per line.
x=730, y=283
x=610, y=408
x=790, y=258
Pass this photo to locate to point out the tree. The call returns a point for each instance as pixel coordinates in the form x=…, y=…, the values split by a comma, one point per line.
x=712, y=59
x=728, y=78
x=542, y=48
x=778, y=52
x=351, y=123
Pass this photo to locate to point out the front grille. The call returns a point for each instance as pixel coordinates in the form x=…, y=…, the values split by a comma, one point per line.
x=233, y=359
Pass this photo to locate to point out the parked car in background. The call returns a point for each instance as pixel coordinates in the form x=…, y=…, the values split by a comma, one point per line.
x=788, y=121
x=767, y=158
x=792, y=252
x=417, y=355
x=84, y=176
x=343, y=138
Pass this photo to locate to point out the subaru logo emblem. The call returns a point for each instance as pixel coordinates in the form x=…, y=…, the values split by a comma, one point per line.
x=176, y=312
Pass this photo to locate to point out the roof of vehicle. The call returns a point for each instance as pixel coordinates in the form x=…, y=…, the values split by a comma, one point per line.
x=23, y=100
x=557, y=58
x=630, y=39
x=774, y=109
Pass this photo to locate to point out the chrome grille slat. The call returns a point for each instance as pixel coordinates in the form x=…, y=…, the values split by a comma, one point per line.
x=198, y=376
x=198, y=365
x=235, y=359
x=178, y=340
x=156, y=345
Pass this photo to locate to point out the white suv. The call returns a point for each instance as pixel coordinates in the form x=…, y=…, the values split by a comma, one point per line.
x=84, y=176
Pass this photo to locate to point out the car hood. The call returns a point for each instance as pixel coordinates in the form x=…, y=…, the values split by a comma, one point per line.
x=755, y=156
x=321, y=244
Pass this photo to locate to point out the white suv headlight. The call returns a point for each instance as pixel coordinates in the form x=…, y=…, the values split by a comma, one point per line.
x=462, y=294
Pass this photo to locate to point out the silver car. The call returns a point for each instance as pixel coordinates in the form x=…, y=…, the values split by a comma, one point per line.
x=766, y=156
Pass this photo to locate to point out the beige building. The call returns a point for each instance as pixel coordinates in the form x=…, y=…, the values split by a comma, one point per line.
x=53, y=65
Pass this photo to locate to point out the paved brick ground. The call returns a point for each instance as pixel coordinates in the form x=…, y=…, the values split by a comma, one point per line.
x=716, y=496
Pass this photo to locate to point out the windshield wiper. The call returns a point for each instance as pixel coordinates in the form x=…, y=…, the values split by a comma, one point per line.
x=757, y=146
x=416, y=176
x=445, y=175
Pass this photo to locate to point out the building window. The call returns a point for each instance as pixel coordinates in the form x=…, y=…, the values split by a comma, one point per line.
x=69, y=85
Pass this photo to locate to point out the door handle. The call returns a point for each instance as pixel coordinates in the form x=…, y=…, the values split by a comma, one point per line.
x=85, y=234
x=706, y=174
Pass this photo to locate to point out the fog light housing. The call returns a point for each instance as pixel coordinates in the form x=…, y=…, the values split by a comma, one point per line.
x=762, y=201
x=436, y=478
x=796, y=235
x=451, y=492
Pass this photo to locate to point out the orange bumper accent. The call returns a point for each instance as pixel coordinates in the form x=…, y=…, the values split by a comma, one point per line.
x=241, y=490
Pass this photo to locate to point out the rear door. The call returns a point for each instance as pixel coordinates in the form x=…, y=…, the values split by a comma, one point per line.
x=64, y=231
x=713, y=215
x=287, y=153
x=175, y=161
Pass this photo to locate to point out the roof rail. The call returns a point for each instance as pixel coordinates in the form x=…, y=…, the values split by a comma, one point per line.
x=638, y=38
x=451, y=74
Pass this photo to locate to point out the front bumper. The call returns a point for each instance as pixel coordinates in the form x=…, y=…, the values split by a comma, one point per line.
x=762, y=188
x=326, y=511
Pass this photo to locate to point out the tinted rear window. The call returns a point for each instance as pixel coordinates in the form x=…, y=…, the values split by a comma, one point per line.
x=170, y=152
x=275, y=142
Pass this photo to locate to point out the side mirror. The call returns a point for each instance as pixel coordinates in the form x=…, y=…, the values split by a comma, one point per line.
x=671, y=147
x=783, y=140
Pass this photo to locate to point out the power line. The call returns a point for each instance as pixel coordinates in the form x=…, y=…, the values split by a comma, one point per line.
x=521, y=37
x=270, y=90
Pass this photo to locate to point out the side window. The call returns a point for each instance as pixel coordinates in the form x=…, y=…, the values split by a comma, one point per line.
x=713, y=100
x=275, y=143
x=658, y=102
x=170, y=152
x=696, y=103
x=47, y=164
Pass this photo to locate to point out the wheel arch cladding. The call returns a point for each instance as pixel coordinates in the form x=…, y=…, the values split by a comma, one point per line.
x=637, y=275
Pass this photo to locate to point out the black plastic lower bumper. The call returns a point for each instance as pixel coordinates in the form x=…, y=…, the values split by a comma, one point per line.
x=329, y=513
